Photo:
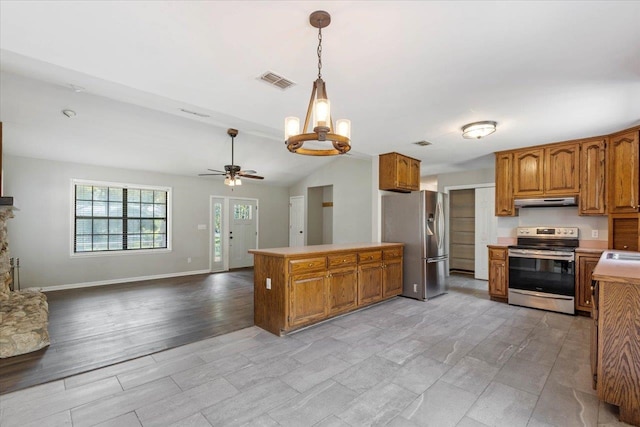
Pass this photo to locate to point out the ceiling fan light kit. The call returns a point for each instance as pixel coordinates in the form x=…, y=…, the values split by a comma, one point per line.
x=320, y=110
x=478, y=130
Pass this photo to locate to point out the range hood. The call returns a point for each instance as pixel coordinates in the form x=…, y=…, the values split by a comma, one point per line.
x=546, y=202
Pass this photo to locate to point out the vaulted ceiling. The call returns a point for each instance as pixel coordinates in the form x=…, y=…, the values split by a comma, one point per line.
x=401, y=71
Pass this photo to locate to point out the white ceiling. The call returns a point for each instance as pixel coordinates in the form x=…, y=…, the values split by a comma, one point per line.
x=401, y=71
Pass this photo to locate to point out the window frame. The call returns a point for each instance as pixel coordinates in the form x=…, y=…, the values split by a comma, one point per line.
x=72, y=219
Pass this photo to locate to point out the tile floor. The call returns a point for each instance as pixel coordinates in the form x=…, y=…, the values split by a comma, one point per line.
x=457, y=360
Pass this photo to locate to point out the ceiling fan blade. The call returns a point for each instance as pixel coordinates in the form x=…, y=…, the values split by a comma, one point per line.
x=248, y=171
x=216, y=170
x=252, y=176
x=212, y=174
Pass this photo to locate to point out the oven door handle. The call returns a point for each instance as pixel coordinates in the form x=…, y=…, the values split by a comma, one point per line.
x=535, y=294
x=520, y=253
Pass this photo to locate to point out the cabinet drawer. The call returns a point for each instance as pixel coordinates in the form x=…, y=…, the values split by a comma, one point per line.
x=370, y=256
x=307, y=264
x=340, y=260
x=392, y=253
x=497, y=254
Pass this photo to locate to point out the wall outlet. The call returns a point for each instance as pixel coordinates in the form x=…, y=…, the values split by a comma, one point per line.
x=415, y=288
x=189, y=260
x=268, y=282
x=594, y=234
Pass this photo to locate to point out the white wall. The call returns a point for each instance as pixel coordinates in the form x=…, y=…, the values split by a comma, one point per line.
x=352, y=197
x=40, y=232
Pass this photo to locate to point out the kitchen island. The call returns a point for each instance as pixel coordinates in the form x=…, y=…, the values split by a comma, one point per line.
x=615, y=338
x=300, y=286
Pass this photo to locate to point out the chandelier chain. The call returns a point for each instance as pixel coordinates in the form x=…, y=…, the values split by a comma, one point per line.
x=320, y=52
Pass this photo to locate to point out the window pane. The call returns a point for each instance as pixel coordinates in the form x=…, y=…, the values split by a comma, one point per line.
x=115, y=209
x=133, y=210
x=147, y=210
x=159, y=211
x=146, y=196
x=115, y=242
x=84, y=192
x=133, y=226
x=146, y=226
x=160, y=196
x=133, y=241
x=100, y=193
x=99, y=208
x=83, y=208
x=115, y=194
x=133, y=195
x=242, y=211
x=115, y=226
x=83, y=243
x=83, y=226
x=100, y=243
x=159, y=226
x=147, y=241
x=100, y=226
x=160, y=241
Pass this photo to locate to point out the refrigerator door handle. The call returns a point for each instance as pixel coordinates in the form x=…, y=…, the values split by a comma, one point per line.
x=439, y=226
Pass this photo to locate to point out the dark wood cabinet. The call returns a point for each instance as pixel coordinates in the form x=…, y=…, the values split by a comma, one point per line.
x=624, y=174
x=592, y=198
x=504, y=185
x=624, y=231
x=398, y=173
x=498, y=272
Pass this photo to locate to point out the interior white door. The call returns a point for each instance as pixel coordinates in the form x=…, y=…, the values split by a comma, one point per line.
x=296, y=221
x=486, y=229
x=243, y=231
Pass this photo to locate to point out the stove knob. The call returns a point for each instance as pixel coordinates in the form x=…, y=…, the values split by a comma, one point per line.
x=570, y=231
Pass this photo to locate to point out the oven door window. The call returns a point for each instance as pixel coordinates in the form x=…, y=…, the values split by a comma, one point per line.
x=542, y=275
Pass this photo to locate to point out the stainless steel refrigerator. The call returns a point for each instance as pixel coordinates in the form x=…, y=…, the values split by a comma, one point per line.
x=417, y=219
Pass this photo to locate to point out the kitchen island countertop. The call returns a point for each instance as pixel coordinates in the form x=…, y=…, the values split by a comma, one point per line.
x=617, y=270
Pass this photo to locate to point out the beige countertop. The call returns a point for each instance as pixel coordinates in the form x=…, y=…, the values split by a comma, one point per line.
x=617, y=270
x=310, y=250
x=589, y=250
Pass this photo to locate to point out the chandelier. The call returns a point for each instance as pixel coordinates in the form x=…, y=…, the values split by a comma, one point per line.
x=319, y=108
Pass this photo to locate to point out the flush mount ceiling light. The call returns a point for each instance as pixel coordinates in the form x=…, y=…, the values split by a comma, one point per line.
x=319, y=108
x=478, y=130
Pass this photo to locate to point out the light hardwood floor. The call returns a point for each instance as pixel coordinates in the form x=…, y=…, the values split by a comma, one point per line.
x=457, y=360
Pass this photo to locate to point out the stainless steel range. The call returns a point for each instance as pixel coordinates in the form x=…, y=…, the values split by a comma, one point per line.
x=542, y=268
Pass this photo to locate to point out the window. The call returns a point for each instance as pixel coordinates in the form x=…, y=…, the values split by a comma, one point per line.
x=116, y=217
x=242, y=212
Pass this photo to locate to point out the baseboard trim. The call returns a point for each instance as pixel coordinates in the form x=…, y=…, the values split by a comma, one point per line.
x=116, y=281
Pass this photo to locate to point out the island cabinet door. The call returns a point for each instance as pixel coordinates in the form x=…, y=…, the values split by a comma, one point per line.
x=342, y=289
x=369, y=283
x=307, y=298
x=392, y=278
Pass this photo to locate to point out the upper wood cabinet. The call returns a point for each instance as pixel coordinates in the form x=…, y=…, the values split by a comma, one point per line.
x=545, y=171
x=624, y=175
x=528, y=172
x=561, y=172
x=399, y=173
x=592, y=177
x=504, y=185
x=624, y=231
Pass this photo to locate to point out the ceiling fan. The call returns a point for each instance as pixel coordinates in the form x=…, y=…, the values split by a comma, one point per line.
x=233, y=172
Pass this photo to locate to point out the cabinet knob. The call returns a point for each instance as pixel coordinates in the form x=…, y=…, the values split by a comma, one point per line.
x=310, y=264
x=588, y=302
x=625, y=247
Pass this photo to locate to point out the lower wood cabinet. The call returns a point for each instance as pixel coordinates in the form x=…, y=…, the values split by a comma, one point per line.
x=498, y=272
x=296, y=287
x=624, y=231
x=342, y=288
x=585, y=263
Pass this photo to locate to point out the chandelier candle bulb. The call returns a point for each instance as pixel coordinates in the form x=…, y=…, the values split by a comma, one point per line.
x=291, y=127
x=322, y=113
x=343, y=128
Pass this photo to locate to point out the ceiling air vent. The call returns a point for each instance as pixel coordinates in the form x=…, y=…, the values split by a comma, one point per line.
x=422, y=143
x=276, y=80
x=195, y=113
